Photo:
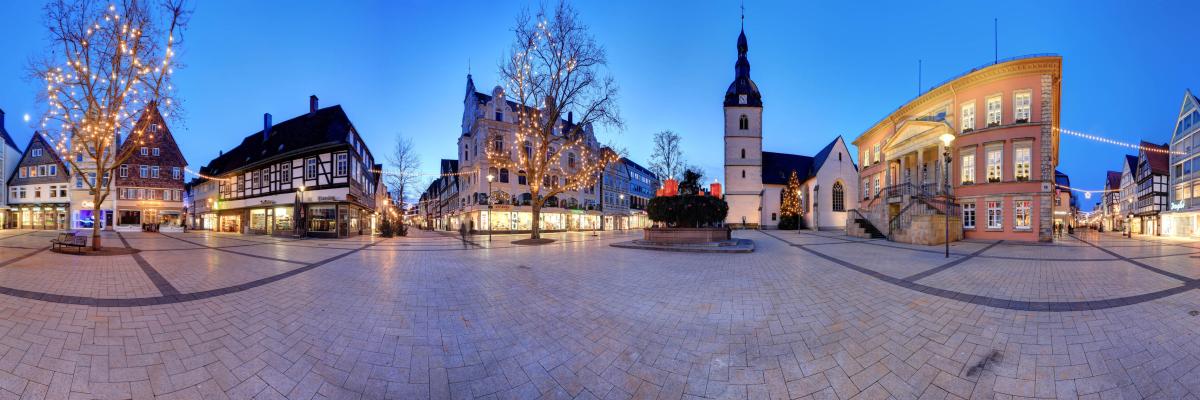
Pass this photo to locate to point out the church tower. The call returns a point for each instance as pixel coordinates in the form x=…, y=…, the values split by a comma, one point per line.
x=743, y=144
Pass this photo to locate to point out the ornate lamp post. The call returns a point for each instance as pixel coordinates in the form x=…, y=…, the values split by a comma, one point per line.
x=490, y=178
x=621, y=202
x=300, y=224
x=798, y=217
x=947, y=138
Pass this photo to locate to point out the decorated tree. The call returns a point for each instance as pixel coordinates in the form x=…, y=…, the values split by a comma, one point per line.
x=107, y=65
x=555, y=71
x=789, y=207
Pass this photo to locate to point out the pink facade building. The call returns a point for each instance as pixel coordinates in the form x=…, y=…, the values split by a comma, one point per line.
x=1003, y=121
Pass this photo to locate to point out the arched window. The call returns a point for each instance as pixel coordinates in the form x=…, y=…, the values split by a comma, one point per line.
x=743, y=153
x=743, y=173
x=498, y=143
x=503, y=175
x=744, y=122
x=521, y=180
x=839, y=156
x=839, y=197
x=466, y=152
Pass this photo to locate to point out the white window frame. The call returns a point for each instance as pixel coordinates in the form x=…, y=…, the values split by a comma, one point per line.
x=145, y=151
x=175, y=173
x=1023, y=105
x=995, y=115
x=967, y=166
x=1022, y=161
x=967, y=118
x=143, y=171
x=155, y=152
x=1025, y=213
x=995, y=215
x=995, y=169
x=124, y=171
x=154, y=171
x=341, y=164
x=968, y=222
x=310, y=168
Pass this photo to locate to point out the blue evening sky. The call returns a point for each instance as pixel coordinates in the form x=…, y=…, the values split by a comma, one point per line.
x=824, y=68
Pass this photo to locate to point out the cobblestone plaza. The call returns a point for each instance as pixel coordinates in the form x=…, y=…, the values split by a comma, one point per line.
x=807, y=315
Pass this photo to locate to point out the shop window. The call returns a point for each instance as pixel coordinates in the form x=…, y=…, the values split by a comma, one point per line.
x=1021, y=217
x=322, y=219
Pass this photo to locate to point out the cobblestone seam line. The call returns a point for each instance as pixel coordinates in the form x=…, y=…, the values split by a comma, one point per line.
x=174, y=298
x=918, y=276
x=164, y=287
x=1018, y=305
x=1150, y=268
x=234, y=251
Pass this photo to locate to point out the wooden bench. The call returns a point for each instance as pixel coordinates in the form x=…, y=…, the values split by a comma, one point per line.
x=70, y=239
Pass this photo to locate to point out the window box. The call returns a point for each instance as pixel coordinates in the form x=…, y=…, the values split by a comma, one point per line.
x=966, y=130
x=1022, y=121
x=993, y=180
x=993, y=124
x=967, y=183
x=1022, y=179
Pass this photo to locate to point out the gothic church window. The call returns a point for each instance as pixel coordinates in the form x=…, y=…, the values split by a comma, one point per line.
x=744, y=122
x=839, y=198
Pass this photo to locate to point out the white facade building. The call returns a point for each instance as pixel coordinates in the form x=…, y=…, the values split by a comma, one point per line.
x=1183, y=214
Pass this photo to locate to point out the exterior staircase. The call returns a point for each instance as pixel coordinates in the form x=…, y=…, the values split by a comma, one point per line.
x=908, y=213
x=866, y=229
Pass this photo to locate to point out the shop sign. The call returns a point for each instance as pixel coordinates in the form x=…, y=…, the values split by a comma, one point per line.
x=87, y=204
x=267, y=202
x=1177, y=205
x=577, y=212
x=326, y=198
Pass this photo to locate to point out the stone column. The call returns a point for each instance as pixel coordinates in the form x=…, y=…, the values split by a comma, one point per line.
x=920, y=166
x=1045, y=198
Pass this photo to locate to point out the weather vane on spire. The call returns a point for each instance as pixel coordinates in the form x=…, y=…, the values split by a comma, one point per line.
x=743, y=14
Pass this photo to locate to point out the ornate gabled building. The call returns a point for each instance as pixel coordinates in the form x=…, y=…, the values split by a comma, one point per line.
x=1112, y=219
x=10, y=155
x=755, y=180
x=37, y=189
x=311, y=175
x=1151, y=175
x=150, y=183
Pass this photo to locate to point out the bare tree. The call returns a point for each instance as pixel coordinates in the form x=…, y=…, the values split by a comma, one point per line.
x=667, y=159
x=554, y=70
x=696, y=169
x=405, y=167
x=107, y=65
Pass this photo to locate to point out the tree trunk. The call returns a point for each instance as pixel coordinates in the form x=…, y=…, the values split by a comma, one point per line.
x=96, y=220
x=536, y=232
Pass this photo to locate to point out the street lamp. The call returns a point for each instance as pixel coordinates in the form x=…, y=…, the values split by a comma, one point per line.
x=490, y=178
x=947, y=138
x=299, y=214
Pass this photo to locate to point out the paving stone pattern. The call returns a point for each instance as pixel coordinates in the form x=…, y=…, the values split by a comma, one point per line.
x=807, y=315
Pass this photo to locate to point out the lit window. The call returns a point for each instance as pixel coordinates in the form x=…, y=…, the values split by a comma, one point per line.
x=995, y=215
x=498, y=144
x=866, y=188
x=1022, y=156
x=876, y=179
x=995, y=163
x=968, y=215
x=968, y=168
x=1021, y=104
x=1021, y=212
x=994, y=111
x=968, y=117
x=878, y=155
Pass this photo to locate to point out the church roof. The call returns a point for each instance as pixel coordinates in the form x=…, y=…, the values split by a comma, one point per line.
x=777, y=167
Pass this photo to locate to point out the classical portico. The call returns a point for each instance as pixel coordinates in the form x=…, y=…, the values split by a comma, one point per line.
x=914, y=159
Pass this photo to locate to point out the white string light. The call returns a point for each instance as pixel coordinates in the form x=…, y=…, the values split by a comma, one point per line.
x=1117, y=142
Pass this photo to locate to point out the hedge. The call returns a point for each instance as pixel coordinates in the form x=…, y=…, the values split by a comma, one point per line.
x=687, y=211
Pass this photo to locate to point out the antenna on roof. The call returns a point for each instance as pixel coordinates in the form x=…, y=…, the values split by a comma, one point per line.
x=995, y=41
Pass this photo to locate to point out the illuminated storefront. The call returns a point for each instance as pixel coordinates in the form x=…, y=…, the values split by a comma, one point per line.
x=503, y=218
x=48, y=216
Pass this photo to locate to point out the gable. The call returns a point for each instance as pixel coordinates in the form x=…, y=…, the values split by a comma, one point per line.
x=47, y=156
x=1189, y=117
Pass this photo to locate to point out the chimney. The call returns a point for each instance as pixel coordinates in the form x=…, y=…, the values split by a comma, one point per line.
x=312, y=104
x=266, y=126
x=220, y=153
x=570, y=117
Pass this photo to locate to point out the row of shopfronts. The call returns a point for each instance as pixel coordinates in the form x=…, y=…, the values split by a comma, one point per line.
x=323, y=220
x=510, y=219
x=62, y=216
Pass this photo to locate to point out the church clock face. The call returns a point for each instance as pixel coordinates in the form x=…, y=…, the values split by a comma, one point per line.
x=742, y=99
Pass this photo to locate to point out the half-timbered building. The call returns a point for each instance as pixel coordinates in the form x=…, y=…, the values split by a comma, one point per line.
x=37, y=190
x=311, y=176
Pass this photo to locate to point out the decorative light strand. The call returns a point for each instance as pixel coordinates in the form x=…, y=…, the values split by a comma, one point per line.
x=1117, y=142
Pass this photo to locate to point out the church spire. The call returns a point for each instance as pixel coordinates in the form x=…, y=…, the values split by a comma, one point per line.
x=743, y=91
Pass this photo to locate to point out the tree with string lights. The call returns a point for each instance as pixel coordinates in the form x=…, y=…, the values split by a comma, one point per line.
x=789, y=208
x=106, y=66
x=555, y=70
